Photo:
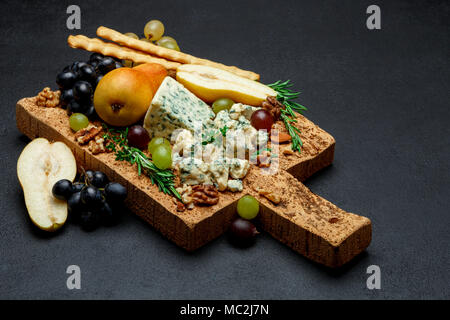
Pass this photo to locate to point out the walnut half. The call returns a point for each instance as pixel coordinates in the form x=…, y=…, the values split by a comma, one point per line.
x=205, y=194
x=274, y=106
x=97, y=145
x=48, y=98
x=87, y=134
x=186, y=198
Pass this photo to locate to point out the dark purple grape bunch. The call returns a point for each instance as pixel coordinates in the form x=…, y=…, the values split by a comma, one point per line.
x=78, y=81
x=92, y=200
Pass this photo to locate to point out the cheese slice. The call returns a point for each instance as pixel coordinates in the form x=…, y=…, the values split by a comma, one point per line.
x=174, y=107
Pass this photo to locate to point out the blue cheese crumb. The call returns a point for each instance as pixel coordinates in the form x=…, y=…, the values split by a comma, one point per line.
x=238, y=109
x=235, y=185
x=219, y=171
x=238, y=168
x=194, y=171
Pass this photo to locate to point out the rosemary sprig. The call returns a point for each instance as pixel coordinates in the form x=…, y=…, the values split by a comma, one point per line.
x=118, y=143
x=286, y=97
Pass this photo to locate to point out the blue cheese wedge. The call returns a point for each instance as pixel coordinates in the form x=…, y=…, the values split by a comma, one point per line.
x=174, y=107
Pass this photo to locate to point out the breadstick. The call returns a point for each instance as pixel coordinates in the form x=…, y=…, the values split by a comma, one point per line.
x=169, y=53
x=114, y=50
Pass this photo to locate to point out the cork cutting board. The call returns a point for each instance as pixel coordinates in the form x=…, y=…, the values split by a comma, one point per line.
x=307, y=223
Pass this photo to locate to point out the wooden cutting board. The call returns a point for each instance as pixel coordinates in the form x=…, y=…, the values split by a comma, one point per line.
x=304, y=221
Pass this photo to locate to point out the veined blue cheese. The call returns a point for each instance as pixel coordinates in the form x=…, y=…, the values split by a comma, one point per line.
x=239, y=109
x=194, y=171
x=238, y=167
x=182, y=142
x=212, y=152
x=243, y=123
x=223, y=119
x=176, y=113
x=174, y=107
x=219, y=170
x=235, y=185
x=235, y=144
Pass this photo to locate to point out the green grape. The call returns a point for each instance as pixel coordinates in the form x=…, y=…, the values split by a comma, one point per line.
x=131, y=35
x=170, y=45
x=145, y=39
x=168, y=42
x=248, y=207
x=222, y=104
x=162, y=157
x=154, y=30
x=164, y=39
x=78, y=121
x=157, y=141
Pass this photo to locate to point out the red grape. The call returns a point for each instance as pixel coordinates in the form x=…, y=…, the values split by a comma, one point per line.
x=242, y=230
x=138, y=137
x=262, y=120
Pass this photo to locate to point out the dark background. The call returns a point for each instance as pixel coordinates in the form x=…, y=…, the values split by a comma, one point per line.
x=383, y=94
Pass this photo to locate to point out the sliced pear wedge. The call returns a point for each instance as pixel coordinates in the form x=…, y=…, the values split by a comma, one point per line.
x=41, y=164
x=210, y=84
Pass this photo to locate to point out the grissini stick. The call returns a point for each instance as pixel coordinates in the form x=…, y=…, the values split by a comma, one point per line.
x=114, y=50
x=169, y=54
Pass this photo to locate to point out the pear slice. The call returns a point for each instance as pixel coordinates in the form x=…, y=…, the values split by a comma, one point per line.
x=41, y=164
x=209, y=84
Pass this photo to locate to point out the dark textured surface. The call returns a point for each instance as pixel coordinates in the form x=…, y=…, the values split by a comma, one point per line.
x=384, y=95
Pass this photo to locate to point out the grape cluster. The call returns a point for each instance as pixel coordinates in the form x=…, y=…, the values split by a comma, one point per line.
x=93, y=200
x=153, y=33
x=78, y=81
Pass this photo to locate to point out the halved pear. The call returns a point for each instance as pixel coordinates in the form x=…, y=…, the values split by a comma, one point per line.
x=41, y=164
x=210, y=84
